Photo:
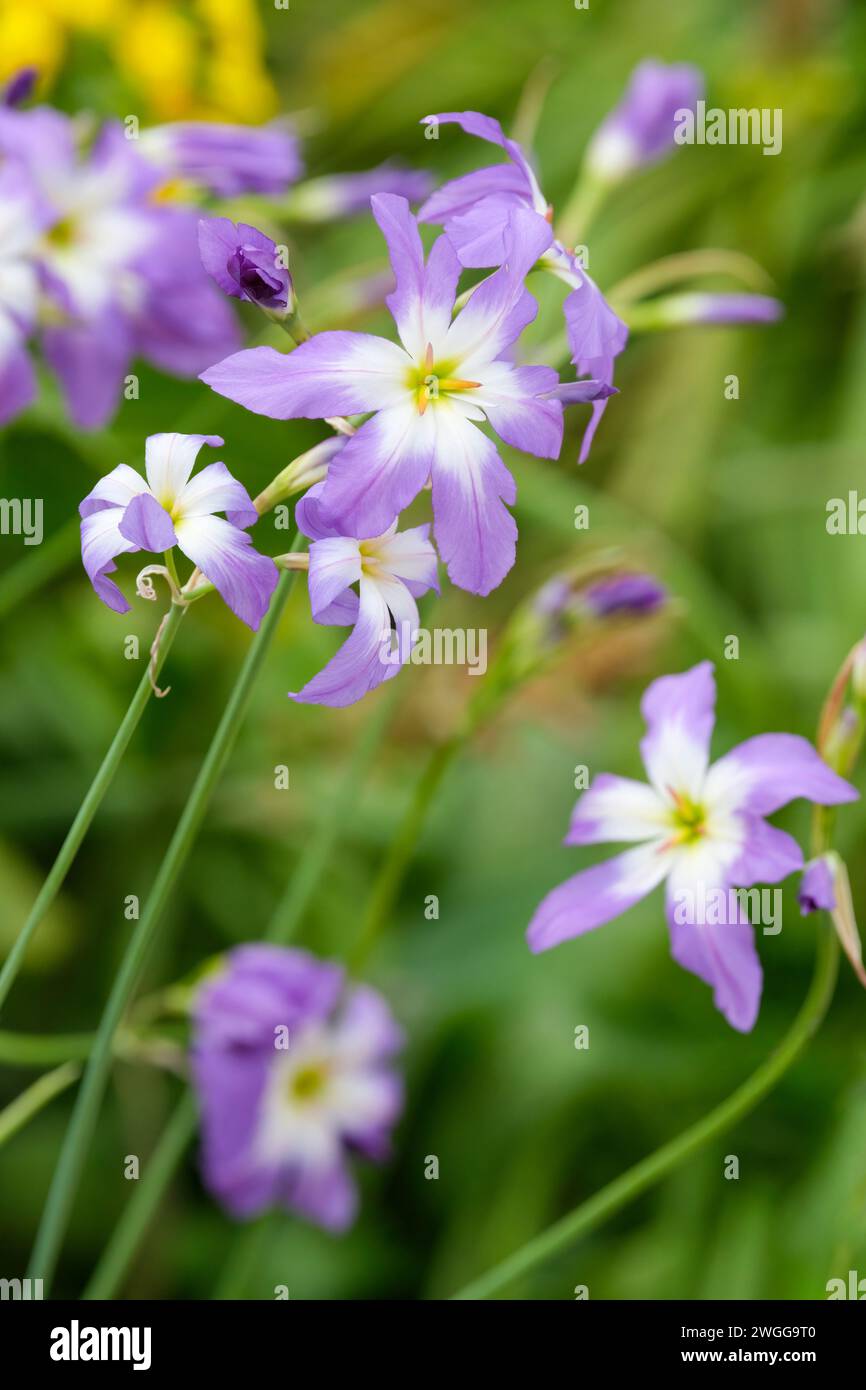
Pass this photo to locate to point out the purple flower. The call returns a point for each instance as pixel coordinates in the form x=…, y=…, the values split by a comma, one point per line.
x=427, y=397
x=816, y=887
x=391, y=571
x=700, y=828
x=124, y=513
x=119, y=274
x=640, y=130
x=342, y=195
x=475, y=210
x=294, y=1077
x=244, y=262
x=624, y=593
x=225, y=159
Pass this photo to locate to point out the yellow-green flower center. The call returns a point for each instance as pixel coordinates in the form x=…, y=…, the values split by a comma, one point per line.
x=430, y=380
x=63, y=233
x=689, y=819
x=308, y=1082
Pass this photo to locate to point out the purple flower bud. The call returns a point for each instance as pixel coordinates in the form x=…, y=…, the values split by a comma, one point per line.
x=19, y=87
x=816, y=887
x=724, y=308
x=624, y=594
x=244, y=263
x=640, y=130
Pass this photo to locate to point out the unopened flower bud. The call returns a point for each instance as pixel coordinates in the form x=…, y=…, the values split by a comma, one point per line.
x=625, y=594
x=245, y=264
x=825, y=884
x=858, y=673
x=816, y=892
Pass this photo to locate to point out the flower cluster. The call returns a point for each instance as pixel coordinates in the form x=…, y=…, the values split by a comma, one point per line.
x=101, y=254
x=293, y=1071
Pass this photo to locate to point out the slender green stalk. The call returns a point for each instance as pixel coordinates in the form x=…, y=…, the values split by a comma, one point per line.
x=581, y=209
x=20, y=580
x=658, y=1165
x=284, y=924
x=671, y=270
x=245, y=1255
x=393, y=868
x=61, y=1194
x=31, y=1101
x=89, y=806
x=156, y=1175
x=314, y=860
x=43, y=1049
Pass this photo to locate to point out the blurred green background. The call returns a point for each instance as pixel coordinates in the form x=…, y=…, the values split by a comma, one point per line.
x=724, y=500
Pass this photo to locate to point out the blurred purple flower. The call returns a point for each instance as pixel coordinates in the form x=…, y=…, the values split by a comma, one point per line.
x=225, y=159
x=391, y=571
x=294, y=1076
x=427, y=397
x=624, y=593
x=640, y=130
x=124, y=513
x=119, y=275
x=700, y=828
x=244, y=262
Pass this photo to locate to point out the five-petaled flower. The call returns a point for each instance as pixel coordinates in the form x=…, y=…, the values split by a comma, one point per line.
x=427, y=395
x=125, y=513
x=294, y=1075
x=391, y=571
x=699, y=827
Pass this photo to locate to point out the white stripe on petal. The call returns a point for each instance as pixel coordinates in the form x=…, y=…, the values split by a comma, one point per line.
x=617, y=808
x=169, y=460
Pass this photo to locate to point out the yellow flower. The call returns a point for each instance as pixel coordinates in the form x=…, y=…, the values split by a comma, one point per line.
x=203, y=59
x=28, y=38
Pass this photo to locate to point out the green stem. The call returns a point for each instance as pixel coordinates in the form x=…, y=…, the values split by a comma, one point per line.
x=650, y=1170
x=393, y=868
x=89, y=806
x=20, y=580
x=283, y=926
x=156, y=1175
x=25, y=1106
x=61, y=1194
x=314, y=860
x=671, y=270
x=247, y=1253
x=581, y=209
x=43, y=1049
